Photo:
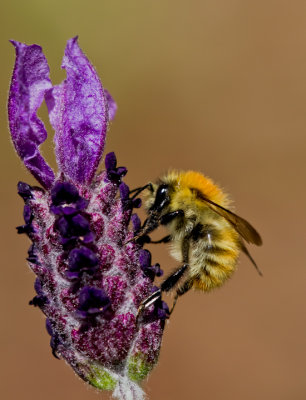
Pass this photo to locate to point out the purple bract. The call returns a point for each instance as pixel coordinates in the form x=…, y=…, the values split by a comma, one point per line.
x=91, y=278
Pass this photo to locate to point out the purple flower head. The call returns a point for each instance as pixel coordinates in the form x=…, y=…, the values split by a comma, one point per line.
x=91, y=278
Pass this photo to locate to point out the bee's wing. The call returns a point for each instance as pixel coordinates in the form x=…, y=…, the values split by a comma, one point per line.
x=243, y=227
x=247, y=253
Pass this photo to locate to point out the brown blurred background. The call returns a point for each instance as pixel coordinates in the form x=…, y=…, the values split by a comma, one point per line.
x=214, y=85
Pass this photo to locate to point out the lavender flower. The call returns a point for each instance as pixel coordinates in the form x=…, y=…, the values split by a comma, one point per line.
x=89, y=282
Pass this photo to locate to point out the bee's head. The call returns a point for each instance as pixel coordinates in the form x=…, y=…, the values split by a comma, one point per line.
x=157, y=199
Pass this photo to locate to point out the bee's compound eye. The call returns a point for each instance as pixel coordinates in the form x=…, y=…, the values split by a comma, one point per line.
x=162, y=197
x=162, y=190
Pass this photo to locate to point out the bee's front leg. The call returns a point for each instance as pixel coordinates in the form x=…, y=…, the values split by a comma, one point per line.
x=166, y=218
x=165, y=239
x=138, y=190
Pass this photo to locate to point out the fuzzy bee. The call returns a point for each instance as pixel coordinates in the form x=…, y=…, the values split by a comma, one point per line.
x=205, y=236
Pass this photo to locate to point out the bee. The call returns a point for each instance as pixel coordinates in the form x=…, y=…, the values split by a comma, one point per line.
x=206, y=237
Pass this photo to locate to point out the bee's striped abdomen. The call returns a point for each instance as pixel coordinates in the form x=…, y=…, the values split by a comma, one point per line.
x=213, y=256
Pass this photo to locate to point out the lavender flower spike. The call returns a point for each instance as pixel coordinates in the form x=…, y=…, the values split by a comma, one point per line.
x=89, y=282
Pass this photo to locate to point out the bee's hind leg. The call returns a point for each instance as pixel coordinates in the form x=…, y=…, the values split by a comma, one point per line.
x=170, y=282
x=180, y=291
x=166, y=286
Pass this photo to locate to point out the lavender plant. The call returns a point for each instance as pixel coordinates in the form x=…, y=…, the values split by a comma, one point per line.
x=91, y=278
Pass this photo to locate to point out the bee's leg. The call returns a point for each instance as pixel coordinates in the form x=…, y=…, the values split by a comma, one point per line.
x=150, y=300
x=165, y=239
x=154, y=220
x=137, y=191
x=166, y=286
x=166, y=218
x=182, y=290
x=170, y=281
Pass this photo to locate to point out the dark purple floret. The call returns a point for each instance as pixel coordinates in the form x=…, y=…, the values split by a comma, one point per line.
x=145, y=262
x=114, y=173
x=55, y=340
x=145, y=259
x=72, y=226
x=162, y=310
x=66, y=199
x=27, y=214
x=82, y=260
x=40, y=299
x=110, y=161
x=128, y=203
x=32, y=255
x=62, y=225
x=137, y=227
x=124, y=192
x=92, y=302
x=27, y=229
x=82, y=257
x=79, y=225
x=49, y=327
x=157, y=270
x=24, y=190
x=64, y=193
x=28, y=217
x=67, y=205
x=136, y=222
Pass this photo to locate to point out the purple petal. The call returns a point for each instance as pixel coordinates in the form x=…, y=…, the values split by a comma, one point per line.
x=124, y=191
x=144, y=258
x=110, y=161
x=112, y=106
x=24, y=190
x=27, y=214
x=30, y=82
x=121, y=171
x=92, y=301
x=136, y=222
x=78, y=112
x=49, y=327
x=82, y=258
x=64, y=193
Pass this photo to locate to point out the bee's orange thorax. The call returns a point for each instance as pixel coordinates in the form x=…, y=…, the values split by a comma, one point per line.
x=194, y=180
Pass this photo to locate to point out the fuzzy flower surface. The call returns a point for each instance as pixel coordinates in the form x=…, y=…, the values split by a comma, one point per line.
x=90, y=278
